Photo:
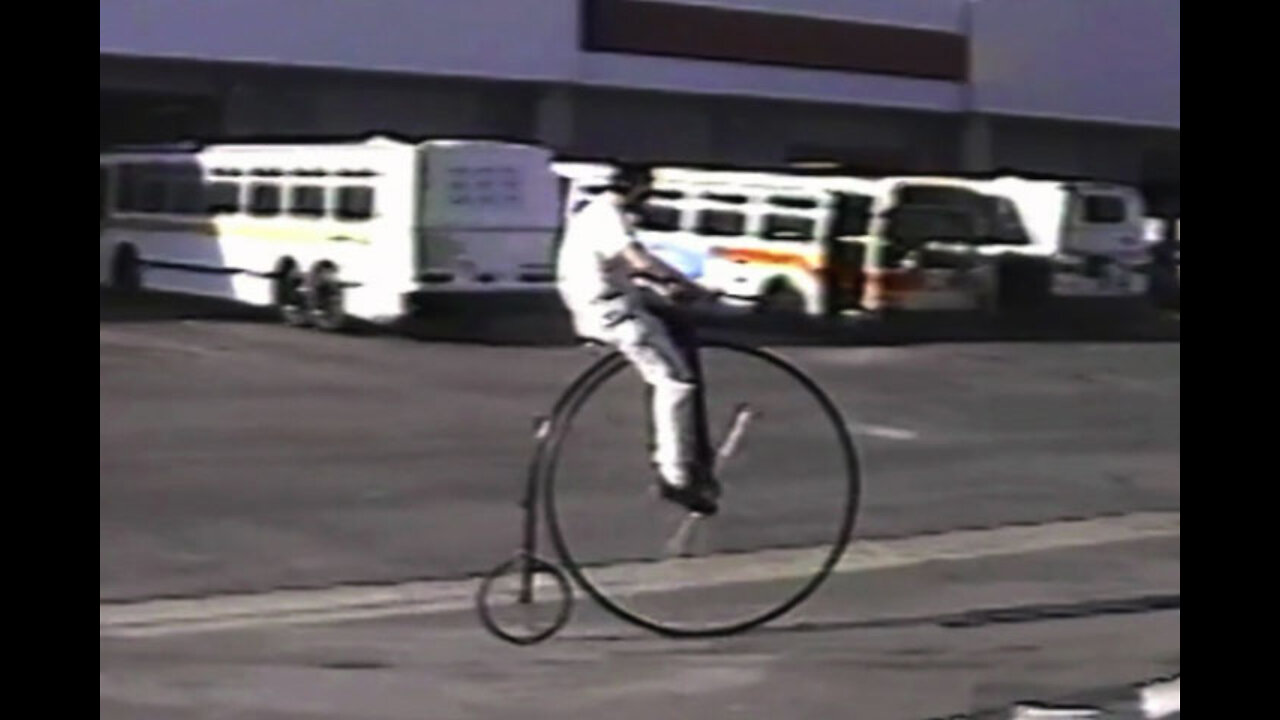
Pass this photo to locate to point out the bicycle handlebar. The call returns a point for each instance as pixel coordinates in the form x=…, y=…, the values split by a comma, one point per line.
x=661, y=285
x=735, y=296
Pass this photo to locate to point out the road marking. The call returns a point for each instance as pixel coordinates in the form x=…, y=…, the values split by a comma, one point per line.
x=885, y=432
x=1153, y=701
x=343, y=603
x=126, y=340
x=1035, y=713
x=1162, y=699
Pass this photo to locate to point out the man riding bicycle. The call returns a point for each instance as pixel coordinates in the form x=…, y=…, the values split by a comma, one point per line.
x=598, y=270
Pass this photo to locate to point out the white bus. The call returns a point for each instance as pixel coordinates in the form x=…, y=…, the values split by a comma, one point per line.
x=326, y=232
x=787, y=238
x=828, y=244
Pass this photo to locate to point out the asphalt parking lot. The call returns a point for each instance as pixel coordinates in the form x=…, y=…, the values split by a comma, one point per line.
x=238, y=456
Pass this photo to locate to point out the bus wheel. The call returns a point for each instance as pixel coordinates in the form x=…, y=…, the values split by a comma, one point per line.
x=290, y=297
x=326, y=299
x=126, y=270
x=783, y=299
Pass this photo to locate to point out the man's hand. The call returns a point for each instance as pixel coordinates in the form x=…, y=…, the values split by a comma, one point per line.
x=687, y=291
x=665, y=279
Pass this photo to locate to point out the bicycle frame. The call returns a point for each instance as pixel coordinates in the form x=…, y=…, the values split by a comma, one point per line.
x=529, y=502
x=549, y=432
x=543, y=425
x=713, y=454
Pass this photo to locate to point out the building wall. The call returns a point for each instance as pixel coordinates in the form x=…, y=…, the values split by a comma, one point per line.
x=928, y=14
x=533, y=40
x=981, y=94
x=1109, y=60
x=254, y=100
x=669, y=127
x=1114, y=61
x=1134, y=154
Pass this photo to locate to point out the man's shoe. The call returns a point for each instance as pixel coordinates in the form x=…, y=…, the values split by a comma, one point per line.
x=697, y=496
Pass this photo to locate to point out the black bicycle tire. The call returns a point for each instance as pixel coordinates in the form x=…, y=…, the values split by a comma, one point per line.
x=540, y=565
x=581, y=391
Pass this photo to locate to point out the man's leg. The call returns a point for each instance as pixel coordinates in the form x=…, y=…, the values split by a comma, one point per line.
x=672, y=406
x=683, y=336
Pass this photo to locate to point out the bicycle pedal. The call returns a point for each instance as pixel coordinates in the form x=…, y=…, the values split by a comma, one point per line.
x=679, y=544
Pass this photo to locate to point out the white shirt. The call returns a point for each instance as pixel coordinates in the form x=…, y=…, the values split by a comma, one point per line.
x=589, y=269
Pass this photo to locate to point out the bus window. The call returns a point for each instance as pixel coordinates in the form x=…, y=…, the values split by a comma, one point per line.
x=721, y=223
x=659, y=218
x=127, y=182
x=937, y=195
x=355, y=202
x=1104, y=209
x=794, y=203
x=264, y=199
x=787, y=227
x=222, y=198
x=915, y=194
x=306, y=201
x=151, y=189
x=186, y=197
x=853, y=215
x=725, y=198
x=1006, y=223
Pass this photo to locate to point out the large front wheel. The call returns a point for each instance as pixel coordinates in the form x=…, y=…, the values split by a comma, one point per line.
x=790, y=491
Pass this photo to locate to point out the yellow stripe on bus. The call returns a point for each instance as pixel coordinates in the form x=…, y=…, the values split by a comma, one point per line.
x=239, y=228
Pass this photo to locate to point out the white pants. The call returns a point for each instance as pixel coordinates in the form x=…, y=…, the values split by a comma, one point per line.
x=645, y=342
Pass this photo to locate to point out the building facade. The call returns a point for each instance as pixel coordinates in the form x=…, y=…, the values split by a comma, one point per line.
x=1074, y=87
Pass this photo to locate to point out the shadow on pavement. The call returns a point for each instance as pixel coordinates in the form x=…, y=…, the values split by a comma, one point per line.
x=124, y=307
x=969, y=619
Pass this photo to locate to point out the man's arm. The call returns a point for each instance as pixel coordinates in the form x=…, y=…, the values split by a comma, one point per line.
x=619, y=244
x=645, y=262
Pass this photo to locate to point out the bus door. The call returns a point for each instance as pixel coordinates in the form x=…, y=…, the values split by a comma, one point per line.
x=844, y=250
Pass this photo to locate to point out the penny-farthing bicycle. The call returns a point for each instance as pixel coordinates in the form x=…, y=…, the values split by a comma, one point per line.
x=790, y=479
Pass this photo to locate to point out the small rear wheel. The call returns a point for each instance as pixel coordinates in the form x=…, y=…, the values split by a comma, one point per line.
x=525, y=600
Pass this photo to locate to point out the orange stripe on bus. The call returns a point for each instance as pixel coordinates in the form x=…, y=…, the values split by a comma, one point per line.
x=764, y=257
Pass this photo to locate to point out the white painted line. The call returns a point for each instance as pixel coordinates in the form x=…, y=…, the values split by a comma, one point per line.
x=1153, y=701
x=162, y=617
x=1162, y=699
x=885, y=432
x=111, y=337
x=1034, y=713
